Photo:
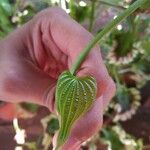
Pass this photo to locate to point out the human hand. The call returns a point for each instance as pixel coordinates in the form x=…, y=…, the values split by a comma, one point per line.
x=33, y=57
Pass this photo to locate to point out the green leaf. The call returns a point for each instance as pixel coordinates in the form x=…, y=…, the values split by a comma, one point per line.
x=79, y=13
x=124, y=42
x=146, y=5
x=123, y=97
x=146, y=46
x=7, y=7
x=30, y=107
x=52, y=125
x=74, y=97
x=112, y=137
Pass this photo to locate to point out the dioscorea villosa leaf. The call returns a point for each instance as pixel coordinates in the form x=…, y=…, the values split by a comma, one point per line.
x=74, y=97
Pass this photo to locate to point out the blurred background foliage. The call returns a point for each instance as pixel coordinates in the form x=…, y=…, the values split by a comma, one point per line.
x=126, y=52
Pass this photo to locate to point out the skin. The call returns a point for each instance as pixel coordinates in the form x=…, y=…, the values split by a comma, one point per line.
x=34, y=55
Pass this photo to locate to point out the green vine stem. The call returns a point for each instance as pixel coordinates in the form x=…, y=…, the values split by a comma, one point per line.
x=116, y=76
x=92, y=14
x=71, y=7
x=106, y=29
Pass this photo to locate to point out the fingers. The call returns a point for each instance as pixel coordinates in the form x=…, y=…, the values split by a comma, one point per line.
x=66, y=37
x=72, y=38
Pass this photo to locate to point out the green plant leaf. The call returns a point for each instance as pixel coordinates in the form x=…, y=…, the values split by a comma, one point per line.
x=123, y=97
x=74, y=97
x=109, y=135
x=124, y=42
x=52, y=125
x=30, y=107
x=146, y=46
x=146, y=5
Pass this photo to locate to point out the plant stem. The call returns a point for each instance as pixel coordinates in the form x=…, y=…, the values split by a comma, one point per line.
x=116, y=76
x=71, y=7
x=106, y=30
x=92, y=15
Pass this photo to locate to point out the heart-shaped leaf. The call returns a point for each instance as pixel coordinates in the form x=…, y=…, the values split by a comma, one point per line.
x=74, y=97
